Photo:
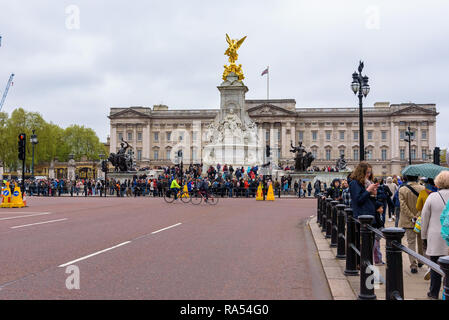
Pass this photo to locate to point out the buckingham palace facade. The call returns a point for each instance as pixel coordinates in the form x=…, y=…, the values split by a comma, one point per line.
x=156, y=133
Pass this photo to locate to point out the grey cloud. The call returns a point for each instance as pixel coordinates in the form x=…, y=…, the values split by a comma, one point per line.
x=148, y=52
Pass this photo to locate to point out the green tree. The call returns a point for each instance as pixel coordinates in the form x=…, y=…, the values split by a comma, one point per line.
x=53, y=141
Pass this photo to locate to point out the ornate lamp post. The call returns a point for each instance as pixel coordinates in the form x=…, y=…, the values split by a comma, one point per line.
x=34, y=141
x=360, y=85
x=409, y=139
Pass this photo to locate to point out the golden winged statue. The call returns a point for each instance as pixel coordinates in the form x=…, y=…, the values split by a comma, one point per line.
x=231, y=52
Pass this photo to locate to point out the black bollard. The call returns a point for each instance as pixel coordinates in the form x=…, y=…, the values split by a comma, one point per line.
x=341, y=231
x=394, y=279
x=357, y=241
x=366, y=259
x=318, y=213
x=326, y=201
x=444, y=265
x=329, y=217
x=334, y=231
x=351, y=255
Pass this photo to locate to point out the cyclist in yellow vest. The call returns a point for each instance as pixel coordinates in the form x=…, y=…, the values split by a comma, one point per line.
x=174, y=187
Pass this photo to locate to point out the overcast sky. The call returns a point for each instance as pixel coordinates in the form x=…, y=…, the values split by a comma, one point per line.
x=141, y=53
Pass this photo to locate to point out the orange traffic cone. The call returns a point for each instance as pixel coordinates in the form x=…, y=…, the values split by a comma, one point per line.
x=24, y=200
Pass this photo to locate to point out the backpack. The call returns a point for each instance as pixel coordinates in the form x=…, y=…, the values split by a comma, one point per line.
x=444, y=219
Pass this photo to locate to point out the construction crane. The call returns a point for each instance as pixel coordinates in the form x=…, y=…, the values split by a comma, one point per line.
x=6, y=91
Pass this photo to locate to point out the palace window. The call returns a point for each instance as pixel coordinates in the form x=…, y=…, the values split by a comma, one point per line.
x=139, y=136
x=156, y=136
x=168, y=154
x=181, y=136
x=355, y=154
x=130, y=135
x=168, y=136
x=156, y=154
x=369, y=154
x=384, y=135
x=194, y=135
x=342, y=152
x=301, y=135
x=424, y=154
x=356, y=135
x=384, y=154
x=328, y=154
x=314, y=152
x=424, y=134
x=267, y=135
x=314, y=135
x=139, y=155
x=402, y=154
x=328, y=135
x=370, y=135
x=120, y=136
x=402, y=134
x=413, y=154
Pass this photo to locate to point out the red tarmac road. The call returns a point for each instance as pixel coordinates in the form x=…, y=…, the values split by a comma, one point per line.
x=127, y=248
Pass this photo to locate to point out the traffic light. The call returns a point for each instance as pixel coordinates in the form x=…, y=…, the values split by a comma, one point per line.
x=104, y=166
x=436, y=156
x=268, y=151
x=22, y=146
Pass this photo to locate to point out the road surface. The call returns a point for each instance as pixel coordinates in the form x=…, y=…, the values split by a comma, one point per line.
x=144, y=248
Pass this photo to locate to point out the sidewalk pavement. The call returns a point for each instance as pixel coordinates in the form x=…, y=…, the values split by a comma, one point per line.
x=347, y=288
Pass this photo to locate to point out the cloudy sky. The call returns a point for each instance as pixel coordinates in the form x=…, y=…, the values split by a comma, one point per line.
x=141, y=53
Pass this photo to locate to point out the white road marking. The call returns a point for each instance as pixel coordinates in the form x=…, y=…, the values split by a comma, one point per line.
x=27, y=216
x=175, y=225
x=15, y=212
x=93, y=254
x=33, y=224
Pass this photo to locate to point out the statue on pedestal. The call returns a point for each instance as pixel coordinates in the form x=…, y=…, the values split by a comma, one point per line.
x=341, y=163
x=122, y=161
x=303, y=159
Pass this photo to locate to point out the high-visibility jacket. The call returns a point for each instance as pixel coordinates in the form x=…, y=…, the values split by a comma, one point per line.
x=174, y=184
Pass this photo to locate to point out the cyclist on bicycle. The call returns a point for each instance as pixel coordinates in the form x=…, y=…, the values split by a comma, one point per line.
x=204, y=187
x=174, y=187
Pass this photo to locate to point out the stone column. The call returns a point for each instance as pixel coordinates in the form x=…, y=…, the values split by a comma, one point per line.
x=51, y=170
x=432, y=135
x=113, y=139
x=71, y=169
x=146, y=146
x=283, y=139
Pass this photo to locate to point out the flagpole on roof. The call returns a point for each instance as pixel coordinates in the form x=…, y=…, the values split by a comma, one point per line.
x=268, y=83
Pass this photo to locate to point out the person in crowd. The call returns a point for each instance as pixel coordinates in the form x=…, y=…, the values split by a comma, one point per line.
x=408, y=197
x=383, y=194
x=335, y=190
x=363, y=192
x=393, y=188
x=346, y=195
x=431, y=228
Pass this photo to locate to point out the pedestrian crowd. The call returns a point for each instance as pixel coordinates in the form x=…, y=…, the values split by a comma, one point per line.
x=223, y=181
x=417, y=204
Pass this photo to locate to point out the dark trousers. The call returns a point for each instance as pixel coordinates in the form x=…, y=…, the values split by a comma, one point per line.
x=435, y=279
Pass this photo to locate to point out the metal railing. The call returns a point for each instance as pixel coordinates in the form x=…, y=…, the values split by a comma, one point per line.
x=354, y=240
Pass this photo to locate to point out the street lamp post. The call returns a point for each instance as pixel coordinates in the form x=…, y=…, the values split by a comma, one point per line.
x=409, y=134
x=34, y=141
x=360, y=85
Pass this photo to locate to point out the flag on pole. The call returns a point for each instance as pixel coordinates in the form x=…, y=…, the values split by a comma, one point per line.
x=265, y=72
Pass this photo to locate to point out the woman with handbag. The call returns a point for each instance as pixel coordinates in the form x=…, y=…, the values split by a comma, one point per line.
x=431, y=228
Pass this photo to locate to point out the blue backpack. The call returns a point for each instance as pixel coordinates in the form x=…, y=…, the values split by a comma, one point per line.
x=444, y=219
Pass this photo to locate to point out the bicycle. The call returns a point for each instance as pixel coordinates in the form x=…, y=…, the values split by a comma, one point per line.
x=198, y=196
x=169, y=196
